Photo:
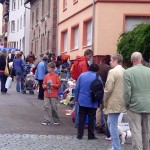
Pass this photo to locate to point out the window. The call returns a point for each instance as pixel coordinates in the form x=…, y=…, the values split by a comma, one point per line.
x=43, y=8
x=64, y=4
x=36, y=46
x=75, y=37
x=32, y=19
x=18, y=25
x=48, y=41
x=87, y=33
x=20, y=22
x=20, y=45
x=18, y=3
x=64, y=41
x=37, y=14
x=24, y=20
x=12, y=26
x=75, y=1
x=21, y=2
x=13, y=4
x=133, y=21
x=49, y=6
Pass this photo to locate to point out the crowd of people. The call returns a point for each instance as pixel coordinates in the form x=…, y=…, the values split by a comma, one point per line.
x=102, y=91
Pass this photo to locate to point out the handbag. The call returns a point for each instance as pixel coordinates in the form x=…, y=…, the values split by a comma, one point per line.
x=8, y=83
x=6, y=72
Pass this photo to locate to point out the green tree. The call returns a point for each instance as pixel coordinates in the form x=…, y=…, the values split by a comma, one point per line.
x=136, y=40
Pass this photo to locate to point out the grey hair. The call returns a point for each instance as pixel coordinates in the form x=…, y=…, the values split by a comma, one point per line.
x=136, y=57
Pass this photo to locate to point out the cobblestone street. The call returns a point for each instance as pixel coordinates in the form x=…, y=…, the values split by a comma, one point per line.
x=21, y=129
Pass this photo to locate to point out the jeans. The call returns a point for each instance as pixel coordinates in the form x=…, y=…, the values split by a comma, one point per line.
x=102, y=118
x=112, y=122
x=76, y=115
x=20, y=79
x=3, y=79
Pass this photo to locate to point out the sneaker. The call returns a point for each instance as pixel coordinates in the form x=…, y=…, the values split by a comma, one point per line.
x=46, y=123
x=56, y=123
x=108, y=139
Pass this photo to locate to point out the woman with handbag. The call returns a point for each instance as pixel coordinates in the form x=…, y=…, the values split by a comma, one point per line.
x=4, y=72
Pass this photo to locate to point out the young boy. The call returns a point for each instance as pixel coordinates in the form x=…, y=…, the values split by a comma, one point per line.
x=51, y=84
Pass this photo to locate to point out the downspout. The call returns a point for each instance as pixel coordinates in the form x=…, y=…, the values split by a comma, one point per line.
x=93, y=23
x=57, y=29
x=25, y=28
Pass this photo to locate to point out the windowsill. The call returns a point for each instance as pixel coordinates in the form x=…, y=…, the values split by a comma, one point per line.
x=63, y=52
x=74, y=50
x=13, y=9
x=64, y=9
x=87, y=46
x=12, y=31
x=75, y=2
x=42, y=19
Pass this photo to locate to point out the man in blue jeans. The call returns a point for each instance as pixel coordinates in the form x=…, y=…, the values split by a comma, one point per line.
x=113, y=98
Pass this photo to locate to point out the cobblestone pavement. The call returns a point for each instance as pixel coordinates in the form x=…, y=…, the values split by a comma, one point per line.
x=21, y=129
x=51, y=142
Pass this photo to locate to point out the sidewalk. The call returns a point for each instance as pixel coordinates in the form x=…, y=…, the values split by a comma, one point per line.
x=20, y=127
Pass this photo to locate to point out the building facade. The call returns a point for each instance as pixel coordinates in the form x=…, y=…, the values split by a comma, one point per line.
x=97, y=24
x=1, y=18
x=18, y=26
x=43, y=33
x=5, y=19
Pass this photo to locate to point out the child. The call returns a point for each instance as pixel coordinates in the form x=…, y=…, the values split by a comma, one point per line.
x=51, y=85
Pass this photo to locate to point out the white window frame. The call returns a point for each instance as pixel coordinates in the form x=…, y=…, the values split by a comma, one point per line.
x=89, y=33
x=132, y=21
x=76, y=38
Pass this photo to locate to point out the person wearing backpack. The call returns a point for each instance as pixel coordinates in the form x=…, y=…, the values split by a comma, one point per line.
x=88, y=98
x=81, y=65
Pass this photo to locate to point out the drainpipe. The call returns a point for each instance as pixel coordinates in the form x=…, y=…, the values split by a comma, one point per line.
x=93, y=23
x=25, y=27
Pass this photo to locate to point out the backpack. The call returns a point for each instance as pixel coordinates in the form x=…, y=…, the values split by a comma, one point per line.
x=75, y=70
x=97, y=90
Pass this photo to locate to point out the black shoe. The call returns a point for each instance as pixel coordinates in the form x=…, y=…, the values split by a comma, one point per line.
x=78, y=137
x=41, y=98
x=92, y=138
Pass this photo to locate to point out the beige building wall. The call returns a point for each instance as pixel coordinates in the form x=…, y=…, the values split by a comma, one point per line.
x=73, y=20
x=1, y=11
x=109, y=23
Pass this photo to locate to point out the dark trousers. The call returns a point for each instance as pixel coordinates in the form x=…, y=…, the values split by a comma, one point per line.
x=83, y=112
x=41, y=90
x=3, y=79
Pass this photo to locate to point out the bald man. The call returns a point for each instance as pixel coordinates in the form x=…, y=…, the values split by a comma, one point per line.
x=137, y=101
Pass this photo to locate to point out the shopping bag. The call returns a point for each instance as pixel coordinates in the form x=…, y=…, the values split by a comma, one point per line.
x=8, y=83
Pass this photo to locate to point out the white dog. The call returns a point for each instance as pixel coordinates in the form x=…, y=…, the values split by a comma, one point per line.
x=124, y=134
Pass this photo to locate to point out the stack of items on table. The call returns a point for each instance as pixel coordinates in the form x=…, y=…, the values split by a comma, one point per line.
x=68, y=94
